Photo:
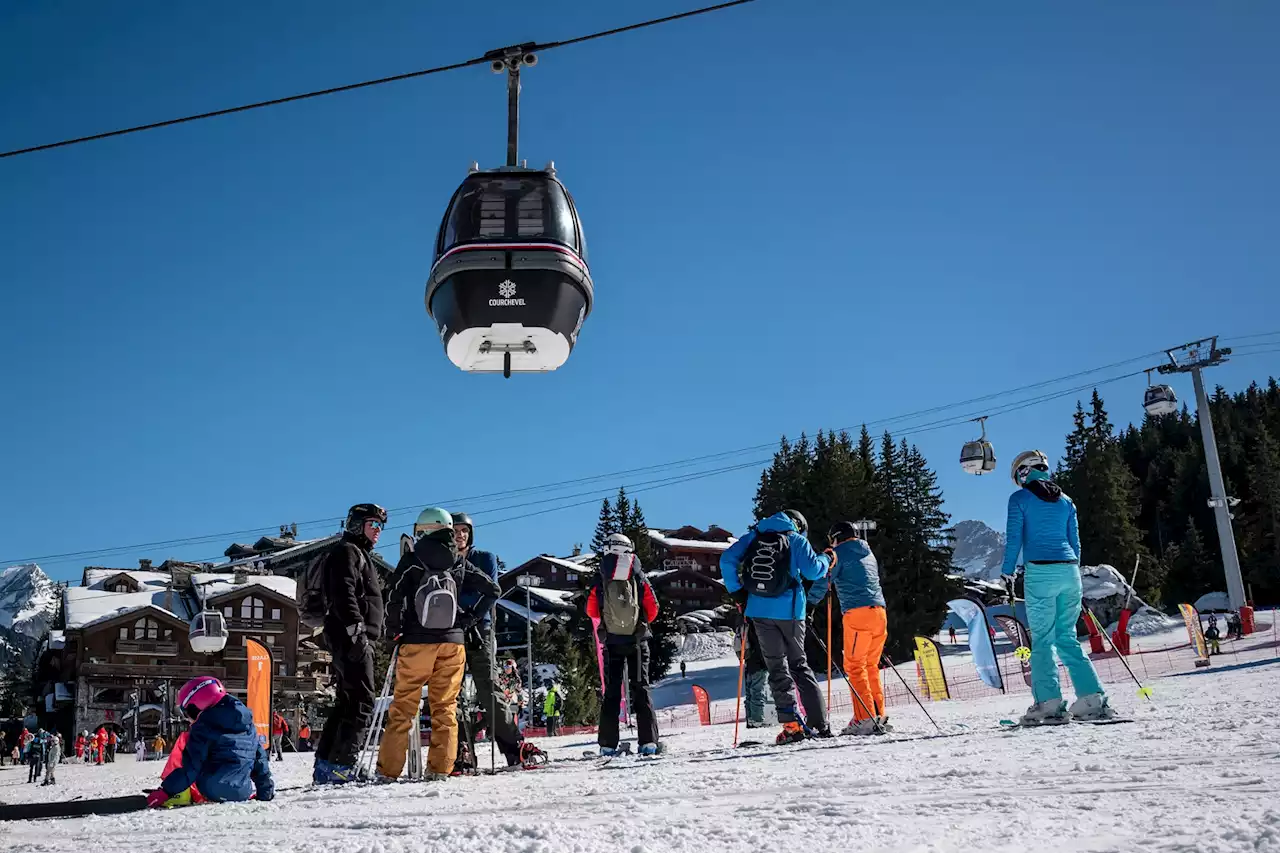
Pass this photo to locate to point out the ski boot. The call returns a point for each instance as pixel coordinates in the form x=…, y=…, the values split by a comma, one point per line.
x=436, y=777
x=329, y=773
x=1092, y=707
x=791, y=732
x=822, y=733
x=860, y=727
x=756, y=724
x=648, y=749
x=609, y=752
x=1051, y=712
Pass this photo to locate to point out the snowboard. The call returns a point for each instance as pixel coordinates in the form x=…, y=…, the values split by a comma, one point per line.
x=406, y=544
x=74, y=808
x=1013, y=725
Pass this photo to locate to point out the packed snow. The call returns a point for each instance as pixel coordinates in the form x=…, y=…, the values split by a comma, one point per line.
x=1197, y=771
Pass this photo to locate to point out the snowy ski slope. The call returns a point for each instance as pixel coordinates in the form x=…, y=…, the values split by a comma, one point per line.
x=1199, y=771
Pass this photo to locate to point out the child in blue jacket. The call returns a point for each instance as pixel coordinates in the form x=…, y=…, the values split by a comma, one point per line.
x=223, y=754
x=775, y=559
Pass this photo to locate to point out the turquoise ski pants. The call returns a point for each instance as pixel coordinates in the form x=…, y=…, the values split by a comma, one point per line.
x=1053, y=607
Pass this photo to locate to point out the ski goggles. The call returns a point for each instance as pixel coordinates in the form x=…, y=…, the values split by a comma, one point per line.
x=375, y=524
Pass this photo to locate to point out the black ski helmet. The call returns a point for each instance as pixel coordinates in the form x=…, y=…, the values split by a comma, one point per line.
x=841, y=531
x=360, y=513
x=463, y=518
x=801, y=525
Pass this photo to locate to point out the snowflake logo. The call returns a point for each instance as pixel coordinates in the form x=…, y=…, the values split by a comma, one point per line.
x=507, y=289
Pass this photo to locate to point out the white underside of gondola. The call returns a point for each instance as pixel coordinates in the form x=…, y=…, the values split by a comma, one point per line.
x=466, y=349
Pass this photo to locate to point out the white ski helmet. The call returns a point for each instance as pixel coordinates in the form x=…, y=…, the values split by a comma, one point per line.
x=617, y=543
x=1024, y=462
x=431, y=519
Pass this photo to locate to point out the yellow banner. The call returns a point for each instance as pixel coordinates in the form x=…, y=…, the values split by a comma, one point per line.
x=258, y=696
x=1192, y=617
x=935, y=681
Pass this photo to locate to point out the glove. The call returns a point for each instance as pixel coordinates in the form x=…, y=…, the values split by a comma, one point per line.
x=359, y=643
x=157, y=798
x=830, y=555
x=601, y=633
x=739, y=596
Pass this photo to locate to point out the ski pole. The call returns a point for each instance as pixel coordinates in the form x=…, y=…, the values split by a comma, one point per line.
x=829, y=652
x=742, y=664
x=1144, y=692
x=492, y=723
x=913, y=694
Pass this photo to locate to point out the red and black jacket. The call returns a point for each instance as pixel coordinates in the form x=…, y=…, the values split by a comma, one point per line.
x=648, y=601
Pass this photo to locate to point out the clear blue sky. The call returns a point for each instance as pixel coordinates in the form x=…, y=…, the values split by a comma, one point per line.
x=800, y=215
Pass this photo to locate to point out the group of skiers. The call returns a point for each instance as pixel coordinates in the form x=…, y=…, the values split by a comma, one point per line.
x=42, y=751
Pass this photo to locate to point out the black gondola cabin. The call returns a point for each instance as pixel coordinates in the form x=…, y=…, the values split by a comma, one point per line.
x=510, y=288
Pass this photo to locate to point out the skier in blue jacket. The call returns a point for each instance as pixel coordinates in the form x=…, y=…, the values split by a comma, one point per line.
x=1042, y=525
x=775, y=559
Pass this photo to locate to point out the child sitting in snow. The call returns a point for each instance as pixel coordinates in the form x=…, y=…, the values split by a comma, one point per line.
x=221, y=754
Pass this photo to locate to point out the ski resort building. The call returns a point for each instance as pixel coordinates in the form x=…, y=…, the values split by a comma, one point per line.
x=687, y=580
x=121, y=649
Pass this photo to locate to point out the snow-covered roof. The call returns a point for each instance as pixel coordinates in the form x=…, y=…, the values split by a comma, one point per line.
x=523, y=612
x=689, y=544
x=95, y=578
x=57, y=639
x=213, y=584
x=580, y=558
x=276, y=555
x=85, y=605
x=564, y=564
x=557, y=597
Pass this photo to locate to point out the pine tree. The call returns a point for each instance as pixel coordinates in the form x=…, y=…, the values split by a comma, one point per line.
x=606, y=526
x=1187, y=578
x=1260, y=515
x=15, y=688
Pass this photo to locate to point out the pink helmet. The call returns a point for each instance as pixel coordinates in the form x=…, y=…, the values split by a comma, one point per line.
x=199, y=694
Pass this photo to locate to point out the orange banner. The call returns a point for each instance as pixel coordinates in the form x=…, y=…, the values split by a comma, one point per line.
x=258, y=697
x=704, y=705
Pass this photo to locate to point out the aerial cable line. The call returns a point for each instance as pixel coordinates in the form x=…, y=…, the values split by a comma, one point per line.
x=906, y=430
x=395, y=78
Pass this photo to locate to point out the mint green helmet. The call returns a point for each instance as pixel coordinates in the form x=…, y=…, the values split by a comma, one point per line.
x=432, y=518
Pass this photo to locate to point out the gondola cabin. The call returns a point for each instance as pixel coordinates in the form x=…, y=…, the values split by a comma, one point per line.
x=1160, y=400
x=510, y=288
x=978, y=457
x=208, y=634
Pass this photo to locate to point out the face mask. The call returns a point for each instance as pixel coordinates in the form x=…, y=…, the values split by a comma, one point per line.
x=1036, y=474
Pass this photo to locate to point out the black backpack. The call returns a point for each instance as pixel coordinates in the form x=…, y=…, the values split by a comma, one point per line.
x=766, y=567
x=312, y=605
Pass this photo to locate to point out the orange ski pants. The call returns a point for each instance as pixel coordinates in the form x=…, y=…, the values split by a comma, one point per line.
x=865, y=630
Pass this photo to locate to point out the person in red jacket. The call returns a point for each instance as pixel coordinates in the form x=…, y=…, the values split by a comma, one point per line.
x=80, y=746
x=100, y=746
x=277, y=736
x=623, y=602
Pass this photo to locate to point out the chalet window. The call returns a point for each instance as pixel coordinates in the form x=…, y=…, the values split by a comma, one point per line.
x=124, y=632
x=146, y=629
x=121, y=586
x=571, y=576
x=271, y=640
x=251, y=608
x=168, y=633
x=284, y=669
x=275, y=613
x=553, y=571
x=228, y=611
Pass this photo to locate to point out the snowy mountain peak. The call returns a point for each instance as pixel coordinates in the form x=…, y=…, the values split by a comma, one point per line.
x=979, y=550
x=28, y=607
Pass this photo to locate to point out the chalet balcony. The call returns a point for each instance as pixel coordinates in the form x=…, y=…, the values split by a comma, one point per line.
x=279, y=684
x=130, y=671
x=149, y=648
x=256, y=626
x=321, y=656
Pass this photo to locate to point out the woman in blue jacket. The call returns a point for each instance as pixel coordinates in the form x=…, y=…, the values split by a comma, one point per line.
x=1042, y=525
x=778, y=561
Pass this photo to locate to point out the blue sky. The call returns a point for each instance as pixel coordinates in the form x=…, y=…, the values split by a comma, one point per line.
x=800, y=215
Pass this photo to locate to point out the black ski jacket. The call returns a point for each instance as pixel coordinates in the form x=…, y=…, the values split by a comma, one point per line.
x=352, y=590
x=474, y=587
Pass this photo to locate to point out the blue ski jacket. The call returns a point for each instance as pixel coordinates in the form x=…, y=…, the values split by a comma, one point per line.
x=1042, y=524
x=486, y=562
x=856, y=576
x=222, y=756
x=806, y=565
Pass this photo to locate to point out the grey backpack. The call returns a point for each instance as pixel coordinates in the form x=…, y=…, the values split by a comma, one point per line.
x=436, y=601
